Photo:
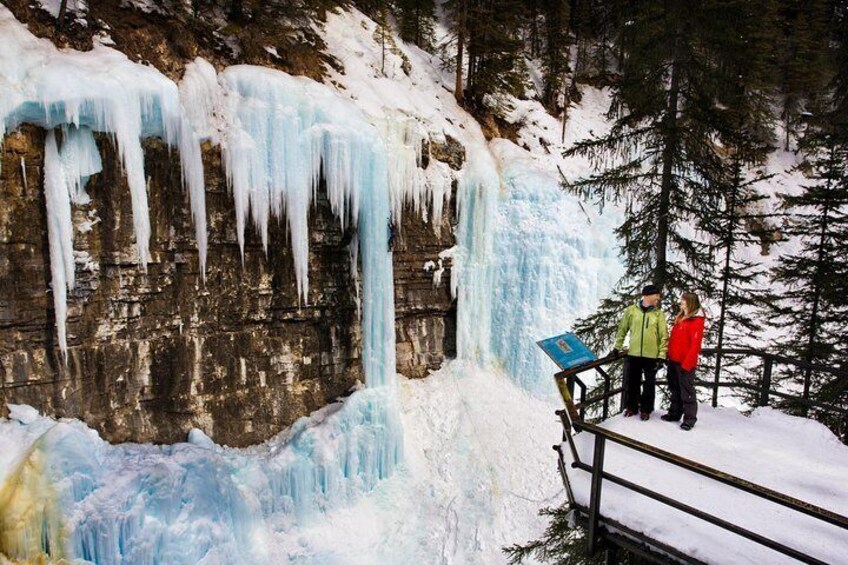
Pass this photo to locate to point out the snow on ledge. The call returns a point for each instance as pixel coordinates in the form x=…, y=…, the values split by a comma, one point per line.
x=792, y=455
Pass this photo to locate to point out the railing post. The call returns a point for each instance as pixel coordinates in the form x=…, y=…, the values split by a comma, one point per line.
x=716, y=378
x=582, y=403
x=807, y=375
x=765, y=385
x=595, y=493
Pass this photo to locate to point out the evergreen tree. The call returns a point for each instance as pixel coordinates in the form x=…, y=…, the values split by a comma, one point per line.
x=416, y=19
x=659, y=158
x=555, y=56
x=457, y=15
x=805, y=61
x=811, y=309
x=561, y=543
x=744, y=125
x=536, y=21
x=495, y=50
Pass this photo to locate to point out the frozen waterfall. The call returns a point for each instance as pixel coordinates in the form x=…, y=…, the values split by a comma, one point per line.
x=521, y=270
x=530, y=261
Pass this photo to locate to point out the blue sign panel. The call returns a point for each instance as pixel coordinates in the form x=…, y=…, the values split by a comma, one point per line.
x=566, y=350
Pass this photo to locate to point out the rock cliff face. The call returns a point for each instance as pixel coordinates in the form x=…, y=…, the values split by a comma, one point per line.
x=151, y=355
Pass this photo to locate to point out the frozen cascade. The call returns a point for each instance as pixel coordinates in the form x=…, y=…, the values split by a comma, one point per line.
x=286, y=132
x=471, y=277
x=552, y=266
x=102, y=90
x=279, y=136
x=66, y=172
x=80, y=159
x=184, y=503
x=427, y=191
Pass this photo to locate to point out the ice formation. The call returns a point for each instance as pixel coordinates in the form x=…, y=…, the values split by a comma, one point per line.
x=60, y=233
x=80, y=159
x=101, y=91
x=527, y=263
x=553, y=264
x=471, y=277
x=280, y=136
x=72, y=495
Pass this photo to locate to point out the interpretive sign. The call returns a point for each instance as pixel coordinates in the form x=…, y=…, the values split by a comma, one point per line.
x=566, y=350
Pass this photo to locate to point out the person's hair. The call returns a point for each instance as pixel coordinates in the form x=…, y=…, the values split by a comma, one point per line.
x=693, y=304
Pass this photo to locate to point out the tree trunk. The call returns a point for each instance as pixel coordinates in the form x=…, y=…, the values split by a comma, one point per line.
x=725, y=273
x=460, y=44
x=817, y=277
x=60, y=19
x=669, y=155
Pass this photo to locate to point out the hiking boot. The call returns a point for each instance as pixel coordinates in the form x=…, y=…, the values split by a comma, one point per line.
x=628, y=412
x=686, y=426
x=669, y=418
x=644, y=416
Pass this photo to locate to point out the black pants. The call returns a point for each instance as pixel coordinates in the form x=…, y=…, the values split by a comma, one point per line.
x=639, y=396
x=681, y=387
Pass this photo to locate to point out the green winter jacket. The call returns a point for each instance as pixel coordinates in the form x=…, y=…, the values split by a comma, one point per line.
x=648, y=332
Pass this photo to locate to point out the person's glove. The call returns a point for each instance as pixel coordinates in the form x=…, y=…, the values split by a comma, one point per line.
x=613, y=353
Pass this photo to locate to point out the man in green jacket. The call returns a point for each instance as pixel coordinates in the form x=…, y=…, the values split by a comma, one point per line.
x=645, y=322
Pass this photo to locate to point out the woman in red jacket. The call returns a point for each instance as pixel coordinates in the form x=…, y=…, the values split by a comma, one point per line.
x=684, y=345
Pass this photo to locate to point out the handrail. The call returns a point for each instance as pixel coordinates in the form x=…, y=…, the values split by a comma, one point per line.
x=776, y=357
x=715, y=474
x=765, y=392
x=599, y=475
x=769, y=359
x=594, y=399
x=763, y=386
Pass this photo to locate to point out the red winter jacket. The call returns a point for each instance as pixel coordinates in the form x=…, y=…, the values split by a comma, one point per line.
x=684, y=344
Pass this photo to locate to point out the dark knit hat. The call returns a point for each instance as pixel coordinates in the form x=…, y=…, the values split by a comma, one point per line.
x=650, y=289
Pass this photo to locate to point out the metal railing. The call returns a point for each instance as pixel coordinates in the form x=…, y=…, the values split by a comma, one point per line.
x=573, y=419
x=762, y=389
x=596, y=469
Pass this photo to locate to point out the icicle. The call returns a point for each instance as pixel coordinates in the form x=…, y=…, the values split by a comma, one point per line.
x=284, y=133
x=403, y=139
x=24, y=174
x=191, y=165
x=471, y=276
x=100, y=90
x=202, y=103
x=80, y=159
x=60, y=235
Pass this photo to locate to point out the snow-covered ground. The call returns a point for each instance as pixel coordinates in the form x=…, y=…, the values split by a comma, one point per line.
x=478, y=468
x=791, y=455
